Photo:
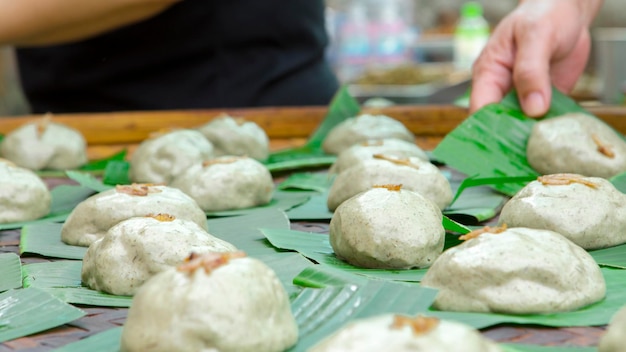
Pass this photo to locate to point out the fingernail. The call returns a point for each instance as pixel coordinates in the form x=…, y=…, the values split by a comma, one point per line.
x=534, y=104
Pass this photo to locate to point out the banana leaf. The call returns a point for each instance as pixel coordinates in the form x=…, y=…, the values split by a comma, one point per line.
x=342, y=106
x=614, y=257
x=593, y=315
x=102, y=164
x=317, y=247
x=307, y=159
x=475, y=205
x=307, y=181
x=27, y=311
x=518, y=347
x=45, y=239
x=619, y=181
x=314, y=209
x=280, y=200
x=64, y=199
x=88, y=180
x=116, y=173
x=243, y=231
x=94, y=167
x=492, y=141
x=10, y=272
x=62, y=280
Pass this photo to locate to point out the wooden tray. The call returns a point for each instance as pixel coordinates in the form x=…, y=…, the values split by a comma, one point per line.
x=107, y=133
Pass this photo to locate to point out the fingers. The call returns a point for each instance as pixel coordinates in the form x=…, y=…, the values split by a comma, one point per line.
x=532, y=49
x=565, y=72
x=489, y=85
x=492, y=70
x=531, y=71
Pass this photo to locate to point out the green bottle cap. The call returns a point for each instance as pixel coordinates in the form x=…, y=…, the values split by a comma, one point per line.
x=471, y=9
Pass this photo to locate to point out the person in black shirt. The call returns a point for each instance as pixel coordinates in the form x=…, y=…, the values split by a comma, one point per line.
x=121, y=55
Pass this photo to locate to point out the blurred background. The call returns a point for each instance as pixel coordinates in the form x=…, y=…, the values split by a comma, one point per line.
x=418, y=51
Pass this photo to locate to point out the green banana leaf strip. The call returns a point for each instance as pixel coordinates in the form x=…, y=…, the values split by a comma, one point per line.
x=61, y=273
x=45, y=239
x=94, y=167
x=593, y=315
x=307, y=160
x=243, y=231
x=474, y=181
x=614, y=257
x=88, y=180
x=315, y=208
x=10, y=272
x=518, y=347
x=307, y=181
x=116, y=173
x=280, y=200
x=317, y=247
x=343, y=106
x=492, y=141
x=62, y=280
x=101, y=164
x=453, y=226
x=619, y=181
x=559, y=105
x=30, y=310
x=87, y=296
x=320, y=277
x=463, y=100
x=64, y=199
x=106, y=341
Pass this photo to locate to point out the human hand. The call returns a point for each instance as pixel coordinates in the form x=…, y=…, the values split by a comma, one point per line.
x=539, y=44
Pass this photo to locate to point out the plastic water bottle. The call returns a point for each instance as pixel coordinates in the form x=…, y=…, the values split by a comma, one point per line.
x=391, y=35
x=354, y=43
x=470, y=36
